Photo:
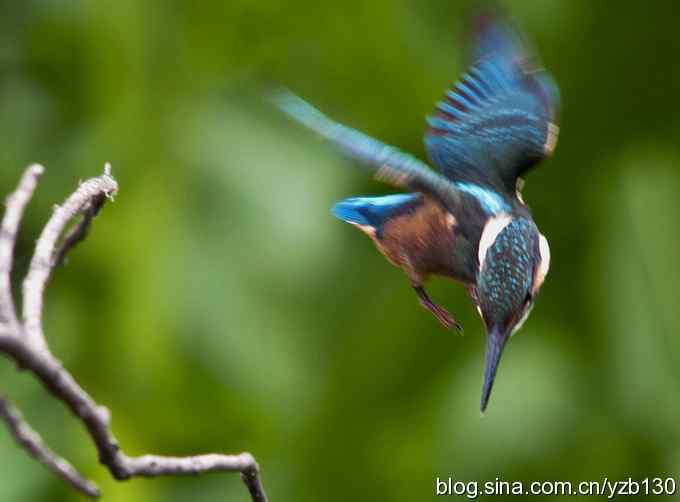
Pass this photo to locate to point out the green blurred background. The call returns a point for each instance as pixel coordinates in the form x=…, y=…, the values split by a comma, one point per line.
x=218, y=306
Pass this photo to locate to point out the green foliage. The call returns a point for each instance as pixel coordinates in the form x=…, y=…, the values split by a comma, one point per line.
x=218, y=306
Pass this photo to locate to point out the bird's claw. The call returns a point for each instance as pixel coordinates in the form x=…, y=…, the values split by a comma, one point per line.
x=446, y=319
x=442, y=315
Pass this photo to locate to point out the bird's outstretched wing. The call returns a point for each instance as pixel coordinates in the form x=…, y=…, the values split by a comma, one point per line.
x=500, y=118
x=389, y=164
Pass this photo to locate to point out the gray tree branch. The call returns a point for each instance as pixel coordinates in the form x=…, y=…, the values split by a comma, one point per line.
x=31, y=441
x=16, y=203
x=43, y=260
x=24, y=342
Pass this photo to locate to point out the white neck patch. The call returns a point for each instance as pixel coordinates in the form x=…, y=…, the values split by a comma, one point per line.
x=544, y=266
x=493, y=227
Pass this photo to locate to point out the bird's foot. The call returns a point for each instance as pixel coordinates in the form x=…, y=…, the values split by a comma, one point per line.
x=442, y=315
x=445, y=318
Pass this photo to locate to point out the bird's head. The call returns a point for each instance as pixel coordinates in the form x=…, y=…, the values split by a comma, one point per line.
x=513, y=261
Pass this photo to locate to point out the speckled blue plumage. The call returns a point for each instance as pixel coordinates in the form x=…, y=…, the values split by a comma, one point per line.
x=506, y=278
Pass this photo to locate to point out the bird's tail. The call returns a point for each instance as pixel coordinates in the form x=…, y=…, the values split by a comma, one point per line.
x=373, y=212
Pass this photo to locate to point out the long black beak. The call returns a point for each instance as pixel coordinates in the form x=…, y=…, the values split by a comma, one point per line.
x=495, y=343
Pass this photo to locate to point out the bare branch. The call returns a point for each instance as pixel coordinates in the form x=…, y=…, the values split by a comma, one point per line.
x=16, y=203
x=91, y=193
x=64, y=387
x=31, y=441
x=79, y=232
x=25, y=344
x=96, y=419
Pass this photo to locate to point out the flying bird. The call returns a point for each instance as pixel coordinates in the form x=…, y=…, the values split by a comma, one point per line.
x=468, y=221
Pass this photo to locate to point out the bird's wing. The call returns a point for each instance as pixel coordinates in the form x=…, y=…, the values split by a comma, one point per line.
x=500, y=118
x=388, y=163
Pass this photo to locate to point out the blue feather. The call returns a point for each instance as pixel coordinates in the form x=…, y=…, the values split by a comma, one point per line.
x=389, y=164
x=447, y=108
x=462, y=86
x=475, y=86
x=492, y=203
x=499, y=119
x=495, y=38
x=374, y=211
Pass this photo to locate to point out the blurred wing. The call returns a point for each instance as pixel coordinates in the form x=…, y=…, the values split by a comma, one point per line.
x=389, y=164
x=500, y=118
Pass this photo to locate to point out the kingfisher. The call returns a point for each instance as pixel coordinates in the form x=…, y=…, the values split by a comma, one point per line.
x=467, y=221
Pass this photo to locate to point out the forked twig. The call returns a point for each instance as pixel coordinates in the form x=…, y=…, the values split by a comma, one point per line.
x=24, y=342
